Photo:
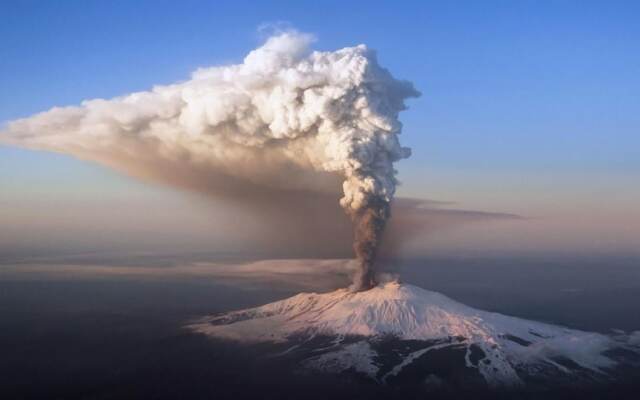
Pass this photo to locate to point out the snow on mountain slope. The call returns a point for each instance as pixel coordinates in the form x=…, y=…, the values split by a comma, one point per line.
x=508, y=345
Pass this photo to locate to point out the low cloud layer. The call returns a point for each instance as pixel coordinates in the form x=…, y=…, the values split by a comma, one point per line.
x=297, y=274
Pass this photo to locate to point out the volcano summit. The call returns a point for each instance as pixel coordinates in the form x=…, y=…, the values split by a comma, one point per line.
x=394, y=332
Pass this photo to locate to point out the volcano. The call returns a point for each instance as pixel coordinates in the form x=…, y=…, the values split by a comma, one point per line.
x=397, y=332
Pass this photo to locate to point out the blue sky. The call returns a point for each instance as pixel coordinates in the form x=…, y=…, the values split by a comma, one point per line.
x=519, y=97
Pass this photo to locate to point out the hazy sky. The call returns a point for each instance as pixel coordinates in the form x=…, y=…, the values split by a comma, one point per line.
x=528, y=107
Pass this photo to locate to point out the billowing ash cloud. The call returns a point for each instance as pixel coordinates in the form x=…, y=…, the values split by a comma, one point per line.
x=286, y=119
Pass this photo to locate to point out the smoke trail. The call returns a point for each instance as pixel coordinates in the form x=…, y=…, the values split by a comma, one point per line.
x=286, y=119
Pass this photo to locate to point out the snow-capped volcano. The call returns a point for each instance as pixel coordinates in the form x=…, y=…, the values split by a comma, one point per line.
x=358, y=327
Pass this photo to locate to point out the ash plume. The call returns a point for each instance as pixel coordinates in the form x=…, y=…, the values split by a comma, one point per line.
x=287, y=120
x=368, y=223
